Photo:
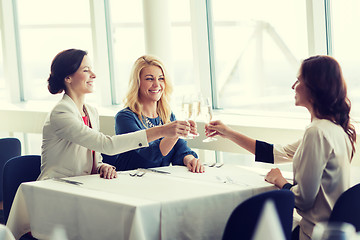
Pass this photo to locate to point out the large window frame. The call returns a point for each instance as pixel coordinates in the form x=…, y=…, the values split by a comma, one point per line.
x=319, y=42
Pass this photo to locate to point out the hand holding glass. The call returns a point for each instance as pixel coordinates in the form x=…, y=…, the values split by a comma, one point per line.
x=189, y=112
x=208, y=114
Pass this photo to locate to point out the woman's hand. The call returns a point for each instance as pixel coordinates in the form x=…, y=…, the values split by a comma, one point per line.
x=275, y=177
x=216, y=128
x=193, y=164
x=107, y=171
x=193, y=127
x=178, y=128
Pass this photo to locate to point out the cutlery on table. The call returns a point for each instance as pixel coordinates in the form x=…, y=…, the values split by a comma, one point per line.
x=67, y=181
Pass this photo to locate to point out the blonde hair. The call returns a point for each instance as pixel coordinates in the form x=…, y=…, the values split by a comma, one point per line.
x=132, y=97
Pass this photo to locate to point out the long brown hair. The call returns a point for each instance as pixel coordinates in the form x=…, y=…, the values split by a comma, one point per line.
x=323, y=77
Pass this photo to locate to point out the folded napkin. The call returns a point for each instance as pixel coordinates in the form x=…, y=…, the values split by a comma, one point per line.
x=5, y=233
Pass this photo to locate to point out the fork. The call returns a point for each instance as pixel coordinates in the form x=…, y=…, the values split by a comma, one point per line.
x=137, y=174
x=210, y=165
x=219, y=165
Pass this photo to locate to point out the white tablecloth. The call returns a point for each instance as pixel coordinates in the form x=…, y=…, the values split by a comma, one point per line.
x=180, y=205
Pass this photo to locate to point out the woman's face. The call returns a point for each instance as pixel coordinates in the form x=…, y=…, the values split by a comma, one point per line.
x=82, y=81
x=152, y=84
x=302, y=96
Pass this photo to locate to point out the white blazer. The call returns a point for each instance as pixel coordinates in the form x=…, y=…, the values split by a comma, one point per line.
x=68, y=143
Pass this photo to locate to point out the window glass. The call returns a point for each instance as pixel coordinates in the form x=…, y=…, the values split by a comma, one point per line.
x=4, y=92
x=182, y=50
x=127, y=31
x=345, y=50
x=258, y=48
x=46, y=28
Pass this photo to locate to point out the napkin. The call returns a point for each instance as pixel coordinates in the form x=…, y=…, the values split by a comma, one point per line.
x=269, y=226
x=5, y=233
x=59, y=233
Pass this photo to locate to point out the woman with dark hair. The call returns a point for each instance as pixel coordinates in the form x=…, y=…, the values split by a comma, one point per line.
x=72, y=142
x=321, y=159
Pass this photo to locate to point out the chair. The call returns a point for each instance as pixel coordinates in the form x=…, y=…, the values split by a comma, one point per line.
x=347, y=207
x=9, y=148
x=16, y=171
x=243, y=220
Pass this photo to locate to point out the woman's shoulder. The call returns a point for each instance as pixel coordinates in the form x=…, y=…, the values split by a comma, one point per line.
x=126, y=112
x=66, y=104
x=324, y=127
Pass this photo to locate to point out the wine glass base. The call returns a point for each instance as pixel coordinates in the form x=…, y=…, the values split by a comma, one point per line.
x=190, y=136
x=210, y=139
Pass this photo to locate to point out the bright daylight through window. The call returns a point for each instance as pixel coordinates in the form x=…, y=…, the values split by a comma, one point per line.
x=45, y=30
x=345, y=46
x=258, y=53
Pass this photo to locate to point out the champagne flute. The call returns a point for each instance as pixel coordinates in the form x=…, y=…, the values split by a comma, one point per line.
x=208, y=114
x=189, y=112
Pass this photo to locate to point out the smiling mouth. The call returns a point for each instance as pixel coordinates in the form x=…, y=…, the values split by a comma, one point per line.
x=155, y=91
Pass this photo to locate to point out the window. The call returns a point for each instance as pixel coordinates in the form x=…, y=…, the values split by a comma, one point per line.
x=3, y=89
x=46, y=28
x=345, y=46
x=257, y=53
x=127, y=32
x=182, y=51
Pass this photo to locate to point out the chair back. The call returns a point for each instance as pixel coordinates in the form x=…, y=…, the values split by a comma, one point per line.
x=347, y=207
x=9, y=148
x=16, y=171
x=244, y=219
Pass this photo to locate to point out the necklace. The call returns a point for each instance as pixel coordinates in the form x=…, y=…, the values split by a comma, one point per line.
x=150, y=124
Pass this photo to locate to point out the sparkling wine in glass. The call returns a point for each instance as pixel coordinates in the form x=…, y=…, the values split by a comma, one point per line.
x=189, y=111
x=208, y=114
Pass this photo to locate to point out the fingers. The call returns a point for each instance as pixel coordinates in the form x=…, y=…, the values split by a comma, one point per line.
x=108, y=172
x=195, y=166
x=182, y=128
x=192, y=123
x=193, y=127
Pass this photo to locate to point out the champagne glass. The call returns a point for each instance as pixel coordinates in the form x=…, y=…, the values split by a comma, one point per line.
x=189, y=111
x=208, y=114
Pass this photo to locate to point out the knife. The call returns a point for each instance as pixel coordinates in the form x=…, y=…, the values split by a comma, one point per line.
x=154, y=170
x=67, y=181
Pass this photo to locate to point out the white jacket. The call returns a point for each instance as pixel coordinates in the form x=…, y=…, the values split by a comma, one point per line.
x=68, y=143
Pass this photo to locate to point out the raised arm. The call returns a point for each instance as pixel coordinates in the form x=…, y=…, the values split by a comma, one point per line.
x=217, y=128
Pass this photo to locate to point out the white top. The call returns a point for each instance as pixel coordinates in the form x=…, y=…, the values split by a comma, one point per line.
x=68, y=143
x=321, y=164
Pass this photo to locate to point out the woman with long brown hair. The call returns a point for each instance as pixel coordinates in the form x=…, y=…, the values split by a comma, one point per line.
x=321, y=159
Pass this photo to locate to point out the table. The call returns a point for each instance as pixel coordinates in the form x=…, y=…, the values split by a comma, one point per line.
x=179, y=205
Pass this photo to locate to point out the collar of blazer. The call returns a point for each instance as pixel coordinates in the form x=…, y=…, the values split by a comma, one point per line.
x=91, y=112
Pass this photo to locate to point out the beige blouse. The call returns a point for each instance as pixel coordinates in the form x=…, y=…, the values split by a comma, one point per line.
x=321, y=164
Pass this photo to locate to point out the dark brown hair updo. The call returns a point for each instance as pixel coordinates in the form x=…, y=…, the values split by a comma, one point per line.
x=323, y=77
x=64, y=64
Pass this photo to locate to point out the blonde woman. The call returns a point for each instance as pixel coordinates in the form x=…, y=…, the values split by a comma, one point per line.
x=147, y=106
